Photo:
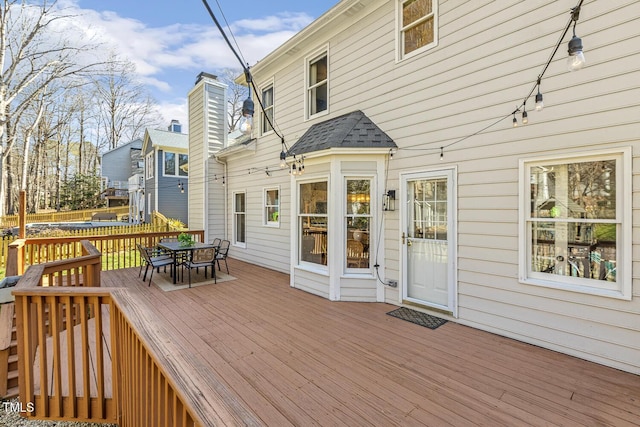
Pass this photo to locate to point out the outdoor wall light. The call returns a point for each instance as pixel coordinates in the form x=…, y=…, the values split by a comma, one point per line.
x=389, y=200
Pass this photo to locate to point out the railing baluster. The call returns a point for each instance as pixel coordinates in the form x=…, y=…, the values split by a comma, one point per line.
x=71, y=317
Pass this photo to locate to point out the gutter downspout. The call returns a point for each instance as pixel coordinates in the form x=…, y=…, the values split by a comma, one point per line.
x=226, y=194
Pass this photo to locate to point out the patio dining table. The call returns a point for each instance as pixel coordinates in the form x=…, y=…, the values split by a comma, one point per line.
x=176, y=248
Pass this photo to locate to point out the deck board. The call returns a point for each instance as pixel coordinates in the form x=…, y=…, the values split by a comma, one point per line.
x=292, y=358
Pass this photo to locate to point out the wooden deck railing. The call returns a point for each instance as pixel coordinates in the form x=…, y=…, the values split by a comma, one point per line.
x=87, y=354
x=118, y=251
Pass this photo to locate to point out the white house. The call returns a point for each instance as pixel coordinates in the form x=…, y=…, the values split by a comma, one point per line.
x=412, y=186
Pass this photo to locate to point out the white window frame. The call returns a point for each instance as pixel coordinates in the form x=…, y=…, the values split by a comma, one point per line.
x=265, y=128
x=149, y=165
x=299, y=217
x=310, y=60
x=235, y=216
x=347, y=216
x=269, y=222
x=621, y=289
x=176, y=168
x=400, y=55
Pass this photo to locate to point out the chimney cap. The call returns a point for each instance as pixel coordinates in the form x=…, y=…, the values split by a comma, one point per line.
x=203, y=74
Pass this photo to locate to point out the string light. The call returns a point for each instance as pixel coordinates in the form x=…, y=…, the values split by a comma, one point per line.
x=576, y=58
x=539, y=103
x=441, y=153
x=525, y=117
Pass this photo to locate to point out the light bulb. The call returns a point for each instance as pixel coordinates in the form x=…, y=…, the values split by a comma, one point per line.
x=245, y=124
x=515, y=121
x=576, y=58
x=283, y=160
x=539, y=103
x=525, y=118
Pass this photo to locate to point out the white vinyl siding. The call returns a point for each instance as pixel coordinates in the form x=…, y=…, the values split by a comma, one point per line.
x=486, y=61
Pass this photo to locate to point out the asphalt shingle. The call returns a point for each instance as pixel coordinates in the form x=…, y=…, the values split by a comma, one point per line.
x=352, y=130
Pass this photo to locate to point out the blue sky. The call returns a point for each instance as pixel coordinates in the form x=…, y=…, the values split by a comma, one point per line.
x=171, y=42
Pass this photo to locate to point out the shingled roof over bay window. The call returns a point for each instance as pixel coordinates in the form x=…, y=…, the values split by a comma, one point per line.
x=352, y=130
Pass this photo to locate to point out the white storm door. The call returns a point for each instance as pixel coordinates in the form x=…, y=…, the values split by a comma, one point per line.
x=428, y=239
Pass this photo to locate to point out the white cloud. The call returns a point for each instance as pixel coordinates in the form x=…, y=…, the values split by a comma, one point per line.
x=275, y=23
x=185, y=46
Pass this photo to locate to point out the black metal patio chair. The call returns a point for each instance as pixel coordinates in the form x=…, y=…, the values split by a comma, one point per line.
x=155, y=262
x=201, y=258
x=221, y=254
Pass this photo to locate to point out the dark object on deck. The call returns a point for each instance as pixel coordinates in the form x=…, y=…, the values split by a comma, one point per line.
x=413, y=316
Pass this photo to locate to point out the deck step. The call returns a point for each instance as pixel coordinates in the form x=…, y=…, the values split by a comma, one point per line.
x=12, y=392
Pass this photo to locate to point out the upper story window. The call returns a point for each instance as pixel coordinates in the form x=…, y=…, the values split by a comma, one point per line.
x=173, y=168
x=418, y=25
x=149, y=165
x=317, y=84
x=576, y=221
x=267, y=113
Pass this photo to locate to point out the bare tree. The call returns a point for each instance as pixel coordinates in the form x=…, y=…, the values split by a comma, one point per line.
x=236, y=94
x=126, y=109
x=33, y=54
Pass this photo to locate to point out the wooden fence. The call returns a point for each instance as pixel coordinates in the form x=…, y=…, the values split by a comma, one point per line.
x=86, y=355
x=123, y=230
x=83, y=215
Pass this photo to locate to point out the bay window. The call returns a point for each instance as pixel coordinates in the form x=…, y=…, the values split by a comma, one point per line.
x=357, y=222
x=313, y=222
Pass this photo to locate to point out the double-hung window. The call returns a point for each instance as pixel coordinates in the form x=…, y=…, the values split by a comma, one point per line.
x=357, y=222
x=239, y=218
x=149, y=165
x=267, y=111
x=272, y=207
x=576, y=217
x=317, y=84
x=173, y=167
x=418, y=26
x=313, y=222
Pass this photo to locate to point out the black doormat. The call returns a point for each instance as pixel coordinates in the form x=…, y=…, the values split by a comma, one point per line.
x=417, y=317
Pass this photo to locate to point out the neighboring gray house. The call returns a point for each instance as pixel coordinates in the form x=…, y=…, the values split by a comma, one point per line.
x=118, y=165
x=530, y=232
x=166, y=173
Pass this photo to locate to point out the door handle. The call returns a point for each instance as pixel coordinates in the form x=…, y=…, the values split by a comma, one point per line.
x=409, y=243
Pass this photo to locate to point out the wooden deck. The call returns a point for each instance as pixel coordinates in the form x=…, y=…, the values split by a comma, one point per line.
x=278, y=356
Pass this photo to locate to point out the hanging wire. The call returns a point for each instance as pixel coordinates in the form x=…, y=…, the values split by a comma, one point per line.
x=573, y=19
x=231, y=32
x=243, y=64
